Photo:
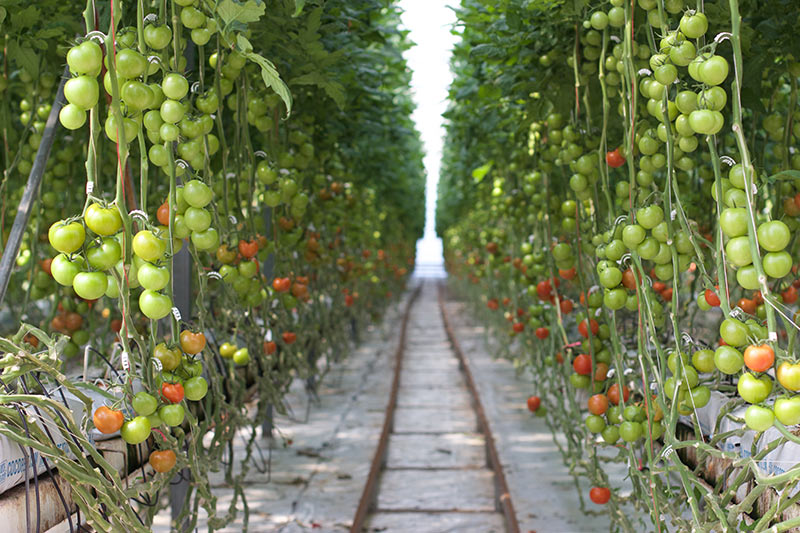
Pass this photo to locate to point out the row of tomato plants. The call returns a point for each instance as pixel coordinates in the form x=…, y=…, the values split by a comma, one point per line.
x=271, y=143
x=619, y=196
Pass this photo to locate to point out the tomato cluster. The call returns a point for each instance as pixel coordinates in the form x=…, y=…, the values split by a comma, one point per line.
x=228, y=203
x=621, y=178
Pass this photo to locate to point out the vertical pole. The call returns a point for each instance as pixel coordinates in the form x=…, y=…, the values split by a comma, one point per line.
x=267, y=269
x=9, y=255
x=182, y=294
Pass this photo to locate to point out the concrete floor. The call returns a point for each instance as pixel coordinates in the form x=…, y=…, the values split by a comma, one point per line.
x=436, y=478
x=436, y=461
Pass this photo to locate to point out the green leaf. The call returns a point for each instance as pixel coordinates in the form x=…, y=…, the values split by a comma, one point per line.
x=333, y=89
x=2, y=14
x=298, y=7
x=231, y=11
x=24, y=18
x=23, y=56
x=479, y=173
x=785, y=175
x=272, y=78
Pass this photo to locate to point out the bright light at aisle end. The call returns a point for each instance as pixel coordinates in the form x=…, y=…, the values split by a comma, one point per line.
x=429, y=23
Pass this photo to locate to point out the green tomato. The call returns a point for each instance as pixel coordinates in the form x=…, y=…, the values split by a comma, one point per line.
x=86, y=58
x=595, y=423
x=197, y=219
x=630, y=431
x=738, y=251
x=611, y=434
x=747, y=277
x=241, y=356
x=733, y=332
x=152, y=277
x=148, y=246
x=753, y=389
x=172, y=414
x=773, y=236
x=205, y=240
x=703, y=360
x=195, y=388
x=700, y=396
x=64, y=270
x=144, y=404
x=579, y=381
x=759, y=418
x=82, y=91
x=777, y=264
x=154, y=305
x=197, y=194
x=135, y=431
x=105, y=255
x=90, y=285
x=733, y=221
x=66, y=238
x=787, y=410
x=728, y=360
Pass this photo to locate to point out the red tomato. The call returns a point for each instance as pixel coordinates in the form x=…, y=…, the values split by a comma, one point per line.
x=163, y=460
x=566, y=306
x=613, y=393
x=667, y=294
x=748, y=306
x=107, y=420
x=163, y=214
x=584, y=330
x=192, y=343
x=493, y=304
x=759, y=358
x=518, y=327
x=659, y=286
x=598, y=404
x=711, y=298
x=614, y=158
x=542, y=333
x=600, y=495
x=533, y=403
x=789, y=295
x=45, y=264
x=270, y=347
x=248, y=249
x=172, y=392
x=582, y=364
x=289, y=337
x=281, y=284
x=567, y=274
x=629, y=280
x=543, y=290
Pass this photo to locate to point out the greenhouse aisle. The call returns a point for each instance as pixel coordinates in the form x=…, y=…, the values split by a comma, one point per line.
x=436, y=464
x=436, y=476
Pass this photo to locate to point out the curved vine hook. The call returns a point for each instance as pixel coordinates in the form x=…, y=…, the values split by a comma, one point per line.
x=97, y=35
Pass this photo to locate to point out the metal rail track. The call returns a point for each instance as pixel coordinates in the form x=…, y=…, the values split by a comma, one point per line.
x=370, y=492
